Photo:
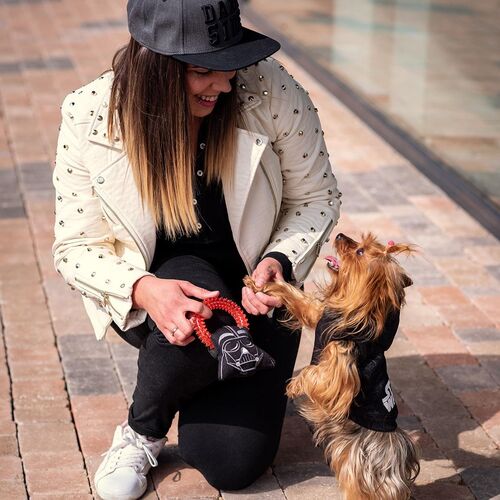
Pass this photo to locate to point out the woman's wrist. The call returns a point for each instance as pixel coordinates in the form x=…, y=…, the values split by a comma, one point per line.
x=139, y=291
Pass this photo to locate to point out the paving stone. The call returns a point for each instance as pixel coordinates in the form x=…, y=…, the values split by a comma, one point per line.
x=409, y=181
x=35, y=176
x=99, y=407
x=46, y=437
x=444, y=490
x=423, y=272
x=438, y=245
x=484, y=483
x=417, y=224
x=95, y=436
x=82, y=346
x=409, y=423
x=63, y=496
x=462, y=434
x=477, y=334
x=11, y=468
x=43, y=460
x=265, y=488
x=20, y=370
x=466, y=378
x=354, y=200
x=39, y=390
x=174, y=479
x=296, y=445
x=430, y=397
x=311, y=481
x=380, y=188
x=75, y=367
x=45, y=413
x=437, y=470
x=8, y=445
x=494, y=271
x=12, y=490
x=102, y=381
x=439, y=346
x=61, y=480
x=123, y=351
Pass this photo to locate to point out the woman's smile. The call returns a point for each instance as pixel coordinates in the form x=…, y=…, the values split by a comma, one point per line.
x=204, y=87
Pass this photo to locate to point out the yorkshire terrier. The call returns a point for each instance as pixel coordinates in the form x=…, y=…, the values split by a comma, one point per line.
x=346, y=394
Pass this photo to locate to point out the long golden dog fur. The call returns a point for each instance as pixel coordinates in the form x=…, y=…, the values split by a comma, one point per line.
x=369, y=283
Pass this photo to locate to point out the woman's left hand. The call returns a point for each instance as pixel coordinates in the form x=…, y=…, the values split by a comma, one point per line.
x=267, y=270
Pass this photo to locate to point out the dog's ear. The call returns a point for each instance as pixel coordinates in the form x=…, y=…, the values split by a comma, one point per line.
x=397, y=248
x=407, y=281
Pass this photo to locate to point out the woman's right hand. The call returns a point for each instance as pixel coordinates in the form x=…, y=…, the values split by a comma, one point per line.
x=169, y=304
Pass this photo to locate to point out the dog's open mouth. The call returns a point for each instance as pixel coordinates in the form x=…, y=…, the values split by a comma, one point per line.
x=332, y=262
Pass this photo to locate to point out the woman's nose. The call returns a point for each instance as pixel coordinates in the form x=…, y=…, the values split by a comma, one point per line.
x=222, y=82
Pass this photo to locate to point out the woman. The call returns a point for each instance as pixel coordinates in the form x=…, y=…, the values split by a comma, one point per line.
x=183, y=169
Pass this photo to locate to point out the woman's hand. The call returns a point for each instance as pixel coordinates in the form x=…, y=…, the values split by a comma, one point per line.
x=169, y=305
x=267, y=270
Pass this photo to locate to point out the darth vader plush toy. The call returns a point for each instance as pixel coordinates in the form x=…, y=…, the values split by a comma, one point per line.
x=237, y=355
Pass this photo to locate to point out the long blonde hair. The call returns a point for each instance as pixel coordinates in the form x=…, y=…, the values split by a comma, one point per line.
x=149, y=105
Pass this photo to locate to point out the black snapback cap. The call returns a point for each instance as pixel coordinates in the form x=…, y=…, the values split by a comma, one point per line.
x=206, y=33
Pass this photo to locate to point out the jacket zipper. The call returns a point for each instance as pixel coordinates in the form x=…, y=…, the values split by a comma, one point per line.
x=99, y=294
x=323, y=238
x=128, y=228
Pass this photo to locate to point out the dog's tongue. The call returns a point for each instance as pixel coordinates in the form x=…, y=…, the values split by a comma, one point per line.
x=333, y=262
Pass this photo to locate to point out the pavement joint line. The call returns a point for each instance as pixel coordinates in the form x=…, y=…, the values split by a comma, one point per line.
x=9, y=375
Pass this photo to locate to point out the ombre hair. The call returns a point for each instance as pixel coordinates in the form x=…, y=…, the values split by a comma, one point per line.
x=150, y=107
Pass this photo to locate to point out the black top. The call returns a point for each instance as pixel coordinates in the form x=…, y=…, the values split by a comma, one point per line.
x=214, y=241
x=374, y=407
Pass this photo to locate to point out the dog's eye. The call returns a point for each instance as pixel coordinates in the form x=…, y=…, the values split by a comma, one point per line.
x=360, y=251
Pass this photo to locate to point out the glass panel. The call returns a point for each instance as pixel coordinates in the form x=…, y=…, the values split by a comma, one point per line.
x=433, y=67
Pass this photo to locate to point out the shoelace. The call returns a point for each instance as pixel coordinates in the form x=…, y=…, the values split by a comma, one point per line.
x=130, y=452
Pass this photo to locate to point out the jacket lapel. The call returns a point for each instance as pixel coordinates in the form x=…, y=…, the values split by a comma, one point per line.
x=249, y=150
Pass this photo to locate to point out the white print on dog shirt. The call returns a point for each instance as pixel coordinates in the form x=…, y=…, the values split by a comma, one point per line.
x=388, y=401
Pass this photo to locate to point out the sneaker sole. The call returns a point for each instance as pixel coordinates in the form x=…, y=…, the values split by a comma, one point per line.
x=109, y=496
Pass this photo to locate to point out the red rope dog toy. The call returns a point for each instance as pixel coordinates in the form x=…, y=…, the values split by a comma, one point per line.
x=222, y=304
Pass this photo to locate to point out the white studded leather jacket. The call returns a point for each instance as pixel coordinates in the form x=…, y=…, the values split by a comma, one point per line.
x=283, y=196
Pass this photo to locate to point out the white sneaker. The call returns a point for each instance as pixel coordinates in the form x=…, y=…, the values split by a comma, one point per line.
x=122, y=473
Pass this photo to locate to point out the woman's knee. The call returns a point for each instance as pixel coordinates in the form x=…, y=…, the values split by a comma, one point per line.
x=230, y=474
x=228, y=464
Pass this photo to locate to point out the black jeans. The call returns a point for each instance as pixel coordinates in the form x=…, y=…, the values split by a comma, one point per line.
x=229, y=430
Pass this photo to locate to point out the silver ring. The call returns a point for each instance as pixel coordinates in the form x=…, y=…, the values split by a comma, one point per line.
x=174, y=329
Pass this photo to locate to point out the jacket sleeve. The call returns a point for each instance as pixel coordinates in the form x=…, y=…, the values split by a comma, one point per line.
x=310, y=201
x=83, y=250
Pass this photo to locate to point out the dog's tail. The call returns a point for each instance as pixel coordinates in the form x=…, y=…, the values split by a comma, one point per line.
x=327, y=390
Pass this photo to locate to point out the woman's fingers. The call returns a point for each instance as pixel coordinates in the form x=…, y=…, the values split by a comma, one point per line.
x=197, y=307
x=249, y=308
x=195, y=291
x=177, y=337
x=253, y=304
x=268, y=300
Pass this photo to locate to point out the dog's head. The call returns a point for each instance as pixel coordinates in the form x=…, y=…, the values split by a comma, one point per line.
x=367, y=281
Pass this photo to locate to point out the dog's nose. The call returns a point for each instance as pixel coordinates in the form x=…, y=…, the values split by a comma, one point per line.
x=340, y=236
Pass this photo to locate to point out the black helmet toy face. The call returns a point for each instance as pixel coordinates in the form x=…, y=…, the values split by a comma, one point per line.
x=239, y=351
x=237, y=355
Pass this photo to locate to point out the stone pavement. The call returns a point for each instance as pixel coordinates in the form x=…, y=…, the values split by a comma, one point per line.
x=62, y=393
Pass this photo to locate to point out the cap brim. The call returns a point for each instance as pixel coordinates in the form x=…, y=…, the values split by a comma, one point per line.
x=252, y=48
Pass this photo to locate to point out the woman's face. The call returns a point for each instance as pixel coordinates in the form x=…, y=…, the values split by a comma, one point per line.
x=204, y=87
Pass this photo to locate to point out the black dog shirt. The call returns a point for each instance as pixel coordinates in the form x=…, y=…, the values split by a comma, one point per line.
x=374, y=407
